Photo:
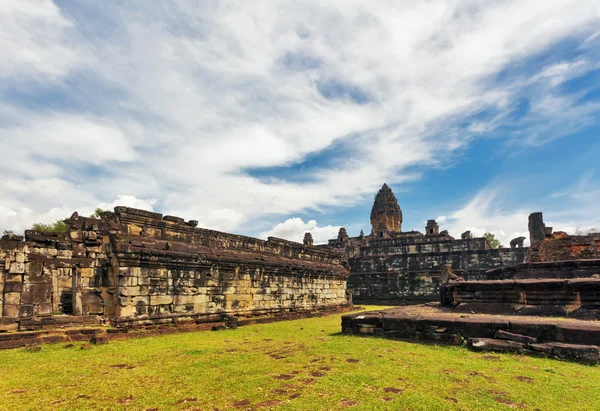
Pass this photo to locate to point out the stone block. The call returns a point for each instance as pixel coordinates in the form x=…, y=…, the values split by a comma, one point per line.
x=36, y=293
x=11, y=310
x=19, y=257
x=43, y=309
x=12, y=298
x=490, y=344
x=161, y=299
x=16, y=268
x=524, y=339
x=130, y=291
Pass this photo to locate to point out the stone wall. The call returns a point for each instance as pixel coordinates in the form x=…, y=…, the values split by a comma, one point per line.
x=406, y=269
x=135, y=264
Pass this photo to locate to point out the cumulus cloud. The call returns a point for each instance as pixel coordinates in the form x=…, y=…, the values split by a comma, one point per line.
x=294, y=228
x=182, y=102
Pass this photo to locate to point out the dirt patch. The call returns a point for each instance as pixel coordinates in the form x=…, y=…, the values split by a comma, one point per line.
x=346, y=403
x=125, y=400
x=18, y=391
x=279, y=391
x=241, y=404
x=284, y=377
x=506, y=401
x=69, y=346
x=86, y=347
x=125, y=366
x=479, y=374
x=387, y=399
x=490, y=357
x=186, y=400
x=325, y=368
x=268, y=404
x=307, y=380
x=524, y=379
x=294, y=396
x=392, y=390
x=82, y=397
x=318, y=374
x=352, y=360
x=451, y=399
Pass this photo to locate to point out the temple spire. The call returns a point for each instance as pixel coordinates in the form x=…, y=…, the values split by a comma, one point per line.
x=386, y=215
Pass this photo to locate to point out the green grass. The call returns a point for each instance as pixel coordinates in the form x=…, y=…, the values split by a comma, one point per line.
x=292, y=365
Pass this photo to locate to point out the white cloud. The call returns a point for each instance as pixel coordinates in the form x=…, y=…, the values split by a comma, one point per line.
x=491, y=210
x=294, y=228
x=34, y=37
x=178, y=101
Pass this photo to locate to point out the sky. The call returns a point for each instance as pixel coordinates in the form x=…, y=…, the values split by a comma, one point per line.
x=280, y=117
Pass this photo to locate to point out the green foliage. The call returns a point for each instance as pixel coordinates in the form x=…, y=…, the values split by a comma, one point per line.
x=59, y=226
x=97, y=213
x=491, y=239
x=288, y=365
x=470, y=235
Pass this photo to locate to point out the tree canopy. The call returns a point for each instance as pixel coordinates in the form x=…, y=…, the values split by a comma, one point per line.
x=59, y=226
x=491, y=239
x=97, y=213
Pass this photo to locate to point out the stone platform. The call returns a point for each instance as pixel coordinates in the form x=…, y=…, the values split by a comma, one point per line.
x=69, y=329
x=569, y=339
x=573, y=297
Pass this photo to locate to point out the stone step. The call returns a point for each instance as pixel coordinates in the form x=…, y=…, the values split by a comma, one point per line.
x=586, y=354
x=523, y=339
x=491, y=344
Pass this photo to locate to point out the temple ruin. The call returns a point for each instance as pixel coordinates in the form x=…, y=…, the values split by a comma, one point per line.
x=545, y=306
x=134, y=268
x=391, y=266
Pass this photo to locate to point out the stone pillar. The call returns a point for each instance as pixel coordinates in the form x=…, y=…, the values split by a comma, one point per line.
x=76, y=292
x=537, y=228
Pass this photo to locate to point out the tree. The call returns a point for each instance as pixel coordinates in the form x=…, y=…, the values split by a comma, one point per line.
x=491, y=239
x=97, y=213
x=59, y=226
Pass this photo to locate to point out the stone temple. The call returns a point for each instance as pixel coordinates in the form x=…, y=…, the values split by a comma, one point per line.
x=134, y=268
x=391, y=266
x=542, y=301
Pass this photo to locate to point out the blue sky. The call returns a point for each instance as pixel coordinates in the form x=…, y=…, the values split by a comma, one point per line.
x=280, y=117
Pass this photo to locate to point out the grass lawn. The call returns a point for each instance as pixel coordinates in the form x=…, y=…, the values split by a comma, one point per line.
x=291, y=365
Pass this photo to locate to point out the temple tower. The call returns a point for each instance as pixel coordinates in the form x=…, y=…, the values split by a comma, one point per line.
x=386, y=215
x=432, y=228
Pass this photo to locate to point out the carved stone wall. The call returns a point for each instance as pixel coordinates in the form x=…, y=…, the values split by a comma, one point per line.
x=135, y=264
x=407, y=269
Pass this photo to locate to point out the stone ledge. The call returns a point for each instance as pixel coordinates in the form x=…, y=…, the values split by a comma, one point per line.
x=574, y=340
x=104, y=334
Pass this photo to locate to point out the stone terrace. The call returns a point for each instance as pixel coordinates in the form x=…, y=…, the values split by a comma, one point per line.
x=135, y=268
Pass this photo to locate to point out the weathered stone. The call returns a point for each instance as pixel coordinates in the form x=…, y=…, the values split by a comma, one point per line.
x=490, y=344
x=524, y=339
